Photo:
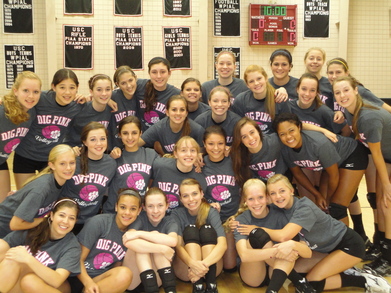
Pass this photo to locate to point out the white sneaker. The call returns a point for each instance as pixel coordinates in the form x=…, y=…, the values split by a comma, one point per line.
x=353, y=272
x=376, y=284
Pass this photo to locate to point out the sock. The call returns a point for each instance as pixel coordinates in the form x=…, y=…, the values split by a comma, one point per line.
x=295, y=277
x=386, y=249
x=376, y=237
x=210, y=276
x=277, y=280
x=168, y=279
x=352, y=281
x=358, y=225
x=148, y=278
x=230, y=271
x=318, y=285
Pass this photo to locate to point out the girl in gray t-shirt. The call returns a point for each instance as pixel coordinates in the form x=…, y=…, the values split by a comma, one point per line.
x=372, y=126
x=17, y=112
x=49, y=252
x=322, y=233
x=201, y=241
x=151, y=249
x=344, y=161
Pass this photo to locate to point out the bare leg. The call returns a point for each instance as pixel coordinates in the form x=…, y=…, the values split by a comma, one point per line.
x=5, y=185
x=120, y=276
x=230, y=255
x=21, y=178
x=130, y=262
x=31, y=283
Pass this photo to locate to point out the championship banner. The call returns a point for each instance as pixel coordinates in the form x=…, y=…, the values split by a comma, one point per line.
x=129, y=47
x=78, y=45
x=84, y=7
x=177, y=44
x=18, y=58
x=226, y=18
x=177, y=8
x=128, y=7
x=235, y=51
x=316, y=18
x=18, y=16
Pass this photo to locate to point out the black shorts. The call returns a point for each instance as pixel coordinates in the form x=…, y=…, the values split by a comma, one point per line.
x=4, y=166
x=26, y=166
x=352, y=244
x=358, y=159
x=76, y=285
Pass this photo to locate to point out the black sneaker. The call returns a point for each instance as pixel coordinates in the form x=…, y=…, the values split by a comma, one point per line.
x=372, y=253
x=211, y=288
x=304, y=287
x=382, y=267
x=198, y=288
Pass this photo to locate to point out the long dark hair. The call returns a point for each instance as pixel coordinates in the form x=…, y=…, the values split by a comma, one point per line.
x=38, y=236
x=63, y=74
x=150, y=96
x=84, y=150
x=240, y=154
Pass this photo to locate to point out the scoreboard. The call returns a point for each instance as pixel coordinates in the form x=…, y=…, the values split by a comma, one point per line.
x=272, y=24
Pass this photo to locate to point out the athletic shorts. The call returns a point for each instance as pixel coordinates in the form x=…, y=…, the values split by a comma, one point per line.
x=352, y=244
x=76, y=285
x=358, y=159
x=4, y=166
x=26, y=166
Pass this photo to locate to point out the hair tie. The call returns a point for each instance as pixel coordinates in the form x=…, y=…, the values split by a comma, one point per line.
x=283, y=52
x=337, y=60
x=64, y=199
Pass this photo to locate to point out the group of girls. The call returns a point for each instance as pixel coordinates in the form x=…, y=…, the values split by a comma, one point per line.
x=259, y=138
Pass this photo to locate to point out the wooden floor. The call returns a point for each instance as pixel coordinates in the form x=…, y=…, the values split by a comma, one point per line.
x=231, y=283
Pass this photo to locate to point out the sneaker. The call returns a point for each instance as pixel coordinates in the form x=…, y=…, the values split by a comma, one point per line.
x=376, y=284
x=372, y=253
x=198, y=288
x=211, y=288
x=381, y=266
x=353, y=272
x=304, y=287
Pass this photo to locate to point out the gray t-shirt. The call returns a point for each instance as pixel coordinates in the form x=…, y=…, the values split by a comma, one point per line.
x=12, y=134
x=236, y=87
x=168, y=178
x=290, y=87
x=182, y=217
x=323, y=116
x=167, y=225
x=103, y=238
x=318, y=152
x=62, y=253
x=275, y=219
x=221, y=186
x=374, y=126
x=159, y=109
x=35, y=200
x=321, y=232
x=326, y=93
x=82, y=119
x=161, y=132
x=201, y=109
x=88, y=190
x=206, y=120
x=134, y=170
x=49, y=127
x=246, y=105
x=268, y=161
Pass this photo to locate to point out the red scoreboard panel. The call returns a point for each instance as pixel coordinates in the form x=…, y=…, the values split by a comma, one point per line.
x=273, y=24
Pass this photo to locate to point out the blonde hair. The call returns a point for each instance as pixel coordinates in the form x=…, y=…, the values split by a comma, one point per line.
x=243, y=206
x=270, y=90
x=315, y=49
x=204, y=208
x=185, y=139
x=13, y=109
x=53, y=156
x=279, y=177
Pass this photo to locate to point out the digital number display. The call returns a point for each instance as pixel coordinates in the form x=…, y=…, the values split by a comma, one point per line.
x=272, y=24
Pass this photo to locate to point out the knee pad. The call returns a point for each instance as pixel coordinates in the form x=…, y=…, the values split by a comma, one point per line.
x=191, y=234
x=208, y=235
x=371, y=197
x=258, y=238
x=355, y=197
x=338, y=211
